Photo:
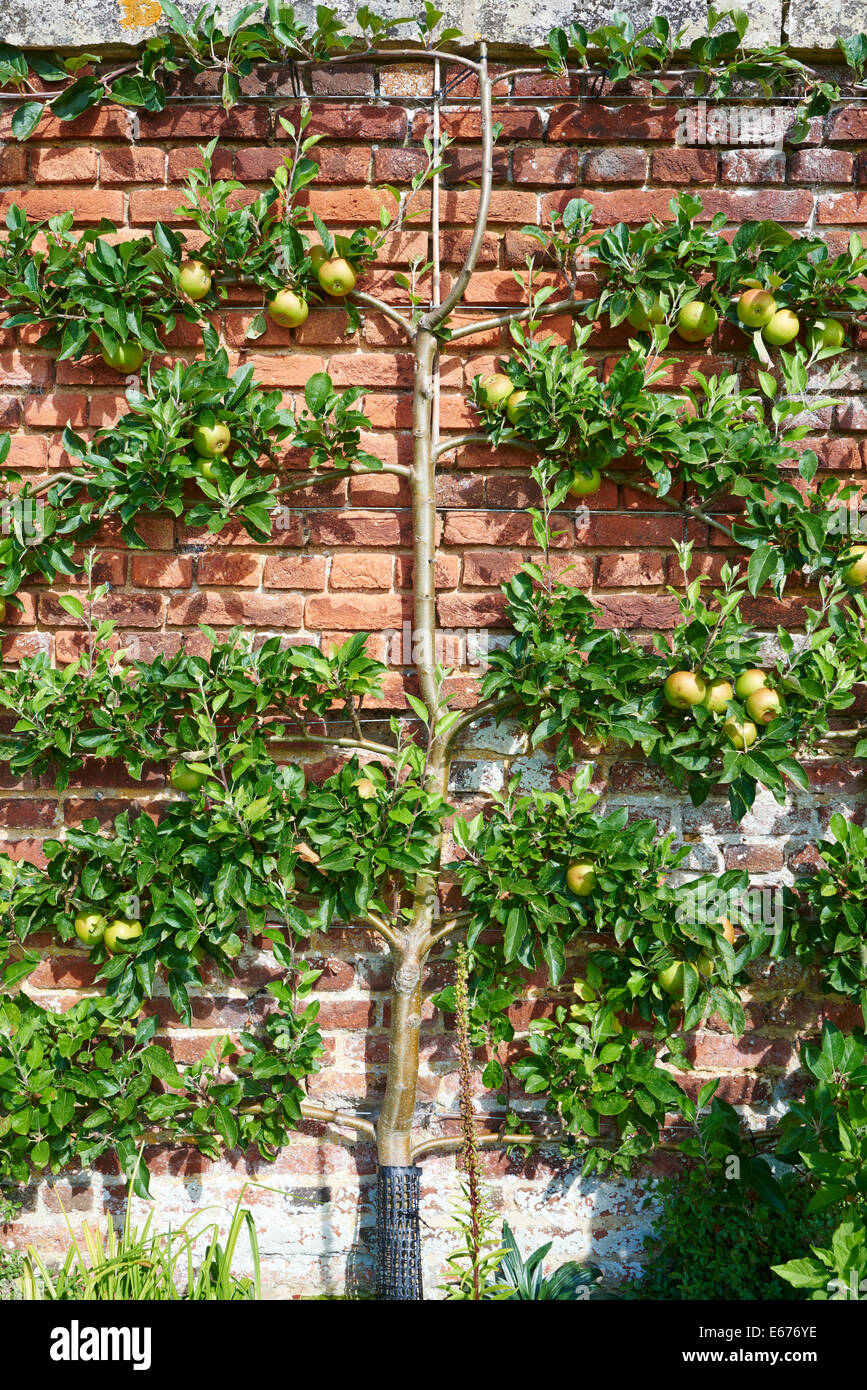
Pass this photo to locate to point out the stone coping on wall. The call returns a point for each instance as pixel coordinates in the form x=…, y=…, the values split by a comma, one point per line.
x=806, y=25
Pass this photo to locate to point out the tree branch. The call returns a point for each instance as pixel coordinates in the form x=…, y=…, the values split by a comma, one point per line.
x=400, y=470
x=626, y=480
x=384, y=929
x=466, y=330
x=371, y=302
x=311, y=1110
x=434, y=317
x=364, y=745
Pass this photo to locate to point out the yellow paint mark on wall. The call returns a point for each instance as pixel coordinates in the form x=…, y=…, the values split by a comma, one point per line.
x=138, y=14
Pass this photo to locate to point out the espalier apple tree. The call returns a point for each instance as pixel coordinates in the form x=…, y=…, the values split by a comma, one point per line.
x=250, y=845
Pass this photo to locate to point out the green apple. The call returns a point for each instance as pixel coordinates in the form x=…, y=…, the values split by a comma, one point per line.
x=496, y=389
x=642, y=319
x=717, y=695
x=288, y=309
x=336, y=277
x=194, y=279
x=2, y=610
x=741, y=734
x=89, y=927
x=184, y=779
x=120, y=934
x=705, y=965
x=205, y=467
x=755, y=308
x=212, y=440
x=126, y=357
x=515, y=406
x=585, y=484
x=697, y=321
x=750, y=681
x=782, y=328
x=684, y=688
x=581, y=878
x=856, y=573
x=764, y=705
x=318, y=255
x=671, y=979
x=827, y=333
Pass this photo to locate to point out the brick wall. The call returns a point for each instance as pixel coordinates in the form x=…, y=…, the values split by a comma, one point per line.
x=344, y=564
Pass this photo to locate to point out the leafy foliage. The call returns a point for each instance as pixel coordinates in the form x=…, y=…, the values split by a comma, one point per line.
x=827, y=910
x=147, y=462
x=78, y=1085
x=563, y=677
x=720, y=1224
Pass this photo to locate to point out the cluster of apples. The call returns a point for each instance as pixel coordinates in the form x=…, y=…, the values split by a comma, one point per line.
x=670, y=978
x=757, y=308
x=683, y=689
x=117, y=935
x=695, y=321
x=335, y=276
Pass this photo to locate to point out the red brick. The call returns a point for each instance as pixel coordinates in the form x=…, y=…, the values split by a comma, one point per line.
x=356, y=612
x=137, y=164
x=617, y=164
x=202, y=123
x=295, y=572
x=486, y=569
x=842, y=208
x=27, y=813
x=848, y=123
x=64, y=165
x=361, y=572
x=13, y=164
x=18, y=369
x=87, y=205
x=360, y=528
x=354, y=122
x=753, y=166
x=242, y=571
x=229, y=610
x=162, y=571
x=633, y=121
x=634, y=569
x=821, y=166
x=683, y=166
x=131, y=610
x=341, y=164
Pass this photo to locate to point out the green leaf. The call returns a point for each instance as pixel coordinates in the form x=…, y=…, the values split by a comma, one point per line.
x=158, y=1061
x=318, y=392
x=26, y=118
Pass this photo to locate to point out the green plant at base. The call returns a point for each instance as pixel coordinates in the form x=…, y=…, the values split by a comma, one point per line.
x=142, y=1265
x=569, y=1283
x=826, y=1134
x=720, y=1224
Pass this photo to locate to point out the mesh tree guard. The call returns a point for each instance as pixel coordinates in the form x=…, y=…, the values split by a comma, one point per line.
x=398, y=1246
